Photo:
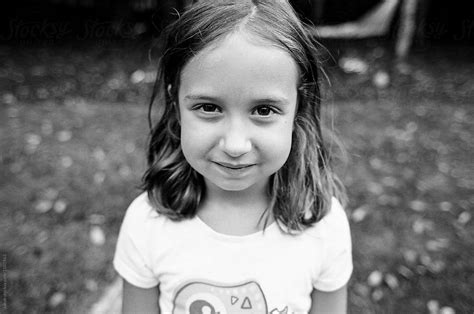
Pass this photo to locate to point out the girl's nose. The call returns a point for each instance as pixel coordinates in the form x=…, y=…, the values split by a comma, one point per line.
x=235, y=142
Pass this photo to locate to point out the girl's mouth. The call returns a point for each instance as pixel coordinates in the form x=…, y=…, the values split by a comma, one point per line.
x=233, y=166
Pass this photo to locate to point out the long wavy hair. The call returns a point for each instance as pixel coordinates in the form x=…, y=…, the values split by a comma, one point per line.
x=302, y=189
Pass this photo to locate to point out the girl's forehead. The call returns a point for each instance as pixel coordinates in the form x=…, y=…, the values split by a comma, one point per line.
x=229, y=49
x=236, y=68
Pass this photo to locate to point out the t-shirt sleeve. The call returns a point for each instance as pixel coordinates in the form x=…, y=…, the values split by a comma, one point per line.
x=336, y=268
x=132, y=259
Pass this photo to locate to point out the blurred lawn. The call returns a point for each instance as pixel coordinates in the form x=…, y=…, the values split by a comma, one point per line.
x=73, y=133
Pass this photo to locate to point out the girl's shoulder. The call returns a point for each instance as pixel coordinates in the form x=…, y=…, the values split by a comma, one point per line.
x=140, y=205
x=336, y=215
x=334, y=224
x=142, y=217
x=334, y=254
x=140, y=212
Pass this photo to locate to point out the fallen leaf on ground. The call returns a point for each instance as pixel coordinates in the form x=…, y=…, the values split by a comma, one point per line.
x=447, y=310
x=42, y=237
x=137, y=76
x=410, y=256
x=433, y=306
x=353, y=65
x=421, y=225
x=437, y=266
x=425, y=259
x=43, y=206
x=360, y=213
x=361, y=289
x=391, y=281
x=381, y=79
x=464, y=218
x=56, y=299
x=99, y=154
x=64, y=136
x=91, y=285
x=375, y=278
x=97, y=236
x=405, y=271
x=60, y=206
x=418, y=205
x=99, y=178
x=375, y=188
x=377, y=294
x=445, y=206
x=32, y=142
x=437, y=245
x=376, y=163
x=66, y=161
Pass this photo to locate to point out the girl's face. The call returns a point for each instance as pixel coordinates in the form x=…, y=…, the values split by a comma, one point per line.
x=237, y=103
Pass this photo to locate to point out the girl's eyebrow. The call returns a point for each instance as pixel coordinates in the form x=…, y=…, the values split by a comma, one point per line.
x=277, y=100
x=201, y=97
x=273, y=100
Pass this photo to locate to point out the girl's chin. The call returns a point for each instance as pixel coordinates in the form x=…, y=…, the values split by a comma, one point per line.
x=235, y=185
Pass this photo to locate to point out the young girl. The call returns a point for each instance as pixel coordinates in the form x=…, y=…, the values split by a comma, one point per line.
x=240, y=214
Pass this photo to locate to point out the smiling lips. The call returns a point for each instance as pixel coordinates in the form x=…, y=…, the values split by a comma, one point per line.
x=233, y=166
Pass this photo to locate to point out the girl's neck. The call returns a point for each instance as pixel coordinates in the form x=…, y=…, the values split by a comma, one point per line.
x=235, y=212
x=242, y=200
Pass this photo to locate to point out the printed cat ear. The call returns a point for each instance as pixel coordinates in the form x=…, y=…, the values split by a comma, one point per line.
x=246, y=305
x=277, y=311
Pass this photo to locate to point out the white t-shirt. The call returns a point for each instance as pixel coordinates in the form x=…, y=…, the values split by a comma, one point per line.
x=199, y=270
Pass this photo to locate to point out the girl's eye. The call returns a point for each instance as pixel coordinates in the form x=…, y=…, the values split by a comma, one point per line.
x=208, y=108
x=264, y=111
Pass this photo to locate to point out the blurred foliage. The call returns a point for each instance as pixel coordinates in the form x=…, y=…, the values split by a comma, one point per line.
x=73, y=134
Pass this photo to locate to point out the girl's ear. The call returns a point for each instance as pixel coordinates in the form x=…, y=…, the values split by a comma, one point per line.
x=174, y=103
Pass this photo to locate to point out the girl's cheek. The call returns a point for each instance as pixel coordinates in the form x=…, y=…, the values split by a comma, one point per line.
x=277, y=140
x=198, y=134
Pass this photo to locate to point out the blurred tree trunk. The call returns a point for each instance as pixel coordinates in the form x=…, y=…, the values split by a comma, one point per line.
x=376, y=22
x=406, y=29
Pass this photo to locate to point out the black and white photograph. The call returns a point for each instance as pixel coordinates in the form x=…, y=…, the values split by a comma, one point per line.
x=237, y=156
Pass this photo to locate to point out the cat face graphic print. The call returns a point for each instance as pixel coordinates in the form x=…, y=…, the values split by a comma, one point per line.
x=205, y=298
